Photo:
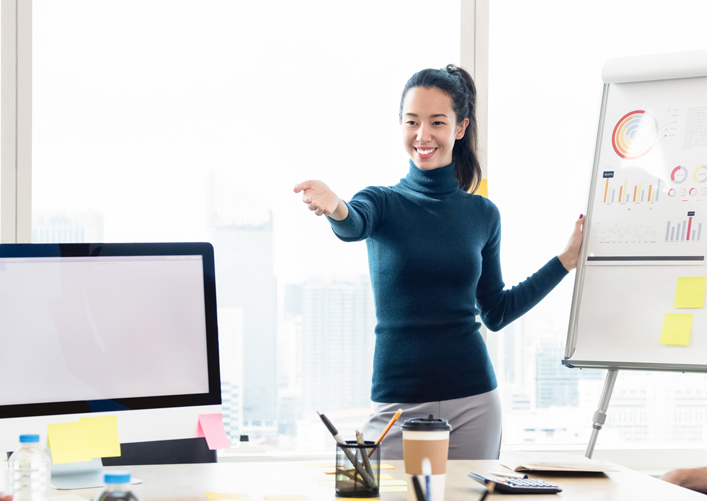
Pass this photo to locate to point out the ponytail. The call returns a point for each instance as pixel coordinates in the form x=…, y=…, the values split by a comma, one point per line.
x=459, y=86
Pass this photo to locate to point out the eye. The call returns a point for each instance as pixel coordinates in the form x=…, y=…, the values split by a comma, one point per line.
x=411, y=122
x=438, y=123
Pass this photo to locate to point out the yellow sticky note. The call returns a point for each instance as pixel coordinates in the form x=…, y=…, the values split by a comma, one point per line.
x=676, y=329
x=393, y=488
x=690, y=292
x=385, y=476
x=393, y=483
x=483, y=188
x=224, y=495
x=69, y=442
x=102, y=435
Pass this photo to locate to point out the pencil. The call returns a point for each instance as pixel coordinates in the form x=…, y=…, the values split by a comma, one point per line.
x=387, y=428
x=364, y=456
x=489, y=489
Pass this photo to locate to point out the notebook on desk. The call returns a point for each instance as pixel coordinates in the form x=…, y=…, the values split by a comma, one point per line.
x=550, y=461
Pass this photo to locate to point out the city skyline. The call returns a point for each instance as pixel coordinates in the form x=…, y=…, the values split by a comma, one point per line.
x=324, y=332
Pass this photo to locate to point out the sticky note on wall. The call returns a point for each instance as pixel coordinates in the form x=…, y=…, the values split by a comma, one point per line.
x=690, y=292
x=69, y=443
x=677, y=328
x=211, y=427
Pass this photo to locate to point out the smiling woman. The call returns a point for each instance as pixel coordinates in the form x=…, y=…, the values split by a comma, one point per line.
x=433, y=256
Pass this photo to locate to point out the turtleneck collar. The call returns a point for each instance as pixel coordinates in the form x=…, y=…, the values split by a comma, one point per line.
x=440, y=181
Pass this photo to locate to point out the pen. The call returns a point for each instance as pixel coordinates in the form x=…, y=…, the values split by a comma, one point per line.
x=418, y=489
x=366, y=462
x=387, y=428
x=427, y=471
x=359, y=468
x=489, y=489
x=508, y=474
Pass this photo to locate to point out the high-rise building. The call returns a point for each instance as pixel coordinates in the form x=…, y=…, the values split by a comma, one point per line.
x=338, y=322
x=242, y=235
x=555, y=384
x=68, y=228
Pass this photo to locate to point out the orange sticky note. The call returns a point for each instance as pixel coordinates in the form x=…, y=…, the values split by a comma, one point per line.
x=69, y=442
x=211, y=427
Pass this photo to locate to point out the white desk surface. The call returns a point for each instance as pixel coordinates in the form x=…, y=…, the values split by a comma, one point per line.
x=259, y=479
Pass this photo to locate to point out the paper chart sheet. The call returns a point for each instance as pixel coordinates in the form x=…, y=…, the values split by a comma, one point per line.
x=650, y=196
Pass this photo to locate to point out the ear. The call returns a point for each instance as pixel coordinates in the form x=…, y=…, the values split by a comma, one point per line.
x=461, y=128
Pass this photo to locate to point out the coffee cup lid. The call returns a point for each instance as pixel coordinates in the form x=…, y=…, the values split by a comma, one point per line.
x=426, y=424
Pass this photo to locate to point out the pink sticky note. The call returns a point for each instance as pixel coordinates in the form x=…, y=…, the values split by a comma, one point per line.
x=211, y=427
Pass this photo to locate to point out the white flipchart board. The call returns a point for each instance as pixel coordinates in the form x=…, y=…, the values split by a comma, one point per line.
x=646, y=220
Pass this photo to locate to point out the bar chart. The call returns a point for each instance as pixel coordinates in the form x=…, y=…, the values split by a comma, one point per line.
x=616, y=191
x=683, y=231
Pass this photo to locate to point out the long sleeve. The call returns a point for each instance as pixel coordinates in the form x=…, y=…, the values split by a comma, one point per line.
x=365, y=209
x=500, y=306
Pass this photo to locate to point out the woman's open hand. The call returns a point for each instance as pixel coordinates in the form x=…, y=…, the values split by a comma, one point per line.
x=321, y=200
x=570, y=256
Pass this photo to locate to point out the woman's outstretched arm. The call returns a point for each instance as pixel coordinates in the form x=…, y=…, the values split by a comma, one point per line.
x=321, y=200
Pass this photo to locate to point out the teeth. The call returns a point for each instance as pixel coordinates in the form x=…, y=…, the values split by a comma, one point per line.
x=425, y=152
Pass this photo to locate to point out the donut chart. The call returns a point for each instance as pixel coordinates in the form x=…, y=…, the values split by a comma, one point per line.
x=678, y=175
x=634, y=134
x=700, y=174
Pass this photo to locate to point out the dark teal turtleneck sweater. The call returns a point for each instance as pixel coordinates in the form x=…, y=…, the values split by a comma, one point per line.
x=434, y=259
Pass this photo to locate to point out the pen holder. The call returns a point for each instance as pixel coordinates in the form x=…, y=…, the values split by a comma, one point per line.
x=357, y=474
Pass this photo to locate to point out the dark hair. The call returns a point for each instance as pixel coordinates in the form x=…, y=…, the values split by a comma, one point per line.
x=459, y=86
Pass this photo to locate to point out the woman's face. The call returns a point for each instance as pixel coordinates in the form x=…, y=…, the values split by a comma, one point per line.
x=429, y=127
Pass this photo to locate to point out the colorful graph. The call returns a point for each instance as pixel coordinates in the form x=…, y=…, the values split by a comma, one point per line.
x=634, y=134
x=685, y=231
x=700, y=174
x=678, y=175
x=625, y=192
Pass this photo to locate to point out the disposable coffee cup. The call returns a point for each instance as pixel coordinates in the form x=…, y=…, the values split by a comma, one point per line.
x=426, y=438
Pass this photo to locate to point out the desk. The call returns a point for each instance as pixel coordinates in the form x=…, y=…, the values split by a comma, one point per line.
x=190, y=482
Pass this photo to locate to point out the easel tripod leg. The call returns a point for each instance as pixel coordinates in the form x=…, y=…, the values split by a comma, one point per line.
x=600, y=415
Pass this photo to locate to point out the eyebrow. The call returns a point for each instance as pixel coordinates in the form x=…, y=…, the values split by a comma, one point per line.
x=431, y=116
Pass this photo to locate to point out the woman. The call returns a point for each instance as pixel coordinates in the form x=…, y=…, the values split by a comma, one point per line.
x=434, y=259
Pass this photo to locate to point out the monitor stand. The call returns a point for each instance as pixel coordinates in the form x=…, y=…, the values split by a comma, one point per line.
x=81, y=475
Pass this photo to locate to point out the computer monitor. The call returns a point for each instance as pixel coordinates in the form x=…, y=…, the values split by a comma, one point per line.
x=125, y=329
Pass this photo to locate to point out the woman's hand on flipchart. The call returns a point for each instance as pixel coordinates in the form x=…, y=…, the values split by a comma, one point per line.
x=570, y=256
x=5, y=497
x=321, y=200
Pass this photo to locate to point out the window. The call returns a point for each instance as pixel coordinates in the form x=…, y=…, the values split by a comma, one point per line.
x=163, y=120
x=545, y=91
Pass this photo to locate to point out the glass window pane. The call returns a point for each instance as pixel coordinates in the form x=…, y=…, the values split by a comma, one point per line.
x=163, y=120
x=545, y=91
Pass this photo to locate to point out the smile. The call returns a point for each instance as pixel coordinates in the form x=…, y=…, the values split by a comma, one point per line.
x=425, y=151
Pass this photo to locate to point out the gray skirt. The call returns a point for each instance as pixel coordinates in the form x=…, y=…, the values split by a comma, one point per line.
x=475, y=420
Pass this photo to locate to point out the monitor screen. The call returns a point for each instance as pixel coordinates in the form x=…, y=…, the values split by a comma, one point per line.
x=107, y=327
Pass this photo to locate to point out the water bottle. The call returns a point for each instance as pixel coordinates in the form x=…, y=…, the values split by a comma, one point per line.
x=117, y=487
x=30, y=470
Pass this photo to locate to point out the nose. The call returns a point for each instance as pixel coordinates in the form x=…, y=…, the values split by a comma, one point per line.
x=423, y=133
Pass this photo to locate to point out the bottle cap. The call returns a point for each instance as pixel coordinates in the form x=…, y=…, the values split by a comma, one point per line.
x=426, y=424
x=29, y=439
x=117, y=477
